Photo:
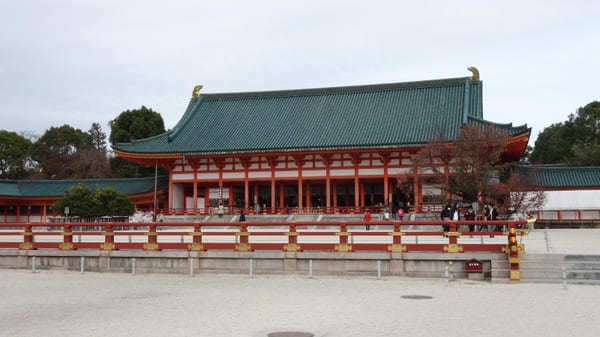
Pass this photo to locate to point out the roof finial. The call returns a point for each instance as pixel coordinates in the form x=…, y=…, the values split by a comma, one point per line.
x=475, y=73
x=196, y=92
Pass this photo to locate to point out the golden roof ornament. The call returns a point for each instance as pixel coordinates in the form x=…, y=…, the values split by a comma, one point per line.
x=196, y=92
x=475, y=72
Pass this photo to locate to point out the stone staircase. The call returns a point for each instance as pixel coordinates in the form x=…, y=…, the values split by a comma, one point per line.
x=549, y=268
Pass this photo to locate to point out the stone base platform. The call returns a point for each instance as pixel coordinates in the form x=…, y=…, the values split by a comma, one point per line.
x=261, y=262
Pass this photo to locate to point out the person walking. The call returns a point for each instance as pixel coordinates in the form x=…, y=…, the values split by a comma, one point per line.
x=367, y=220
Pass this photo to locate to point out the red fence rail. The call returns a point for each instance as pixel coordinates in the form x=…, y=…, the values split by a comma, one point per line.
x=248, y=236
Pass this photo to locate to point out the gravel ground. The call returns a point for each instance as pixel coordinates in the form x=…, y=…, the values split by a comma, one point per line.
x=61, y=303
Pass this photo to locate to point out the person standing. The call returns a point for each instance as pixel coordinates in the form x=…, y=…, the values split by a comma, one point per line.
x=242, y=217
x=400, y=213
x=445, y=216
x=367, y=220
x=470, y=216
x=220, y=210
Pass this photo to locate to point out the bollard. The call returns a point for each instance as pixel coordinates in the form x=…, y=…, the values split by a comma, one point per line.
x=81, y=264
x=564, y=275
x=446, y=275
x=133, y=266
x=310, y=270
x=251, y=272
x=378, y=270
x=33, y=265
x=191, y=266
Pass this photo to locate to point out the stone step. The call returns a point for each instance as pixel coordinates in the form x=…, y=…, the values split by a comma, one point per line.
x=542, y=257
x=559, y=265
x=583, y=274
x=590, y=258
x=541, y=274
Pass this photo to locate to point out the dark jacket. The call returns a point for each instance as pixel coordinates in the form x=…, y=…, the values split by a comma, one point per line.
x=446, y=213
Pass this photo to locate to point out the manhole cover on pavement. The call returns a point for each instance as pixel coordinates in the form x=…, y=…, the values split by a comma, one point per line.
x=417, y=297
x=290, y=334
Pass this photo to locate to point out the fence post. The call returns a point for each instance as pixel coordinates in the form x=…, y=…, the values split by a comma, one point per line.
x=244, y=245
x=453, y=246
x=196, y=245
x=152, y=242
x=446, y=275
x=396, y=246
x=191, y=262
x=33, y=265
x=133, y=266
x=81, y=264
x=27, y=243
x=109, y=238
x=513, y=253
x=251, y=267
x=343, y=246
x=292, y=245
x=378, y=269
x=67, y=243
x=310, y=269
x=564, y=276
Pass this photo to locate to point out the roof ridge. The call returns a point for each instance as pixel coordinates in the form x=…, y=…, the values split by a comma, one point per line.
x=338, y=90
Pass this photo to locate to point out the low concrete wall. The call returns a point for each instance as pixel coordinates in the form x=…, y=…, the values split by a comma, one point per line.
x=263, y=262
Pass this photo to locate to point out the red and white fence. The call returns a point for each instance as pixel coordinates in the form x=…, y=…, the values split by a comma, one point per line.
x=390, y=236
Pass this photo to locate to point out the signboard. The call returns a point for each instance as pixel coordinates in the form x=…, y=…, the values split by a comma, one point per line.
x=218, y=193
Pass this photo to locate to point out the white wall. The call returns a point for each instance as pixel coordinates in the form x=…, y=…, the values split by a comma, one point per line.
x=177, y=195
x=564, y=200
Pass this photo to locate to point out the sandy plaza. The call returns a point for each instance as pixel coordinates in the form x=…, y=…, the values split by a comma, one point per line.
x=59, y=303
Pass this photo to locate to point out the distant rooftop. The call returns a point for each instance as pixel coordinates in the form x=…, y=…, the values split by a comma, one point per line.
x=562, y=176
x=57, y=188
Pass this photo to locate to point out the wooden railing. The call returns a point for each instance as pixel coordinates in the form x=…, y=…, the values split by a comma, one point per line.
x=390, y=236
x=273, y=210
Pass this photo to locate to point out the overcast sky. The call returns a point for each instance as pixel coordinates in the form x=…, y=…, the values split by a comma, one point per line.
x=79, y=62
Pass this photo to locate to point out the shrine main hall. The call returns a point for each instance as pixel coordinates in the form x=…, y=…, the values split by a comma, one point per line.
x=339, y=149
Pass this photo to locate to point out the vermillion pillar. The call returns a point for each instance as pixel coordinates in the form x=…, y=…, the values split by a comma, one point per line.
x=281, y=196
x=335, y=197
x=356, y=161
x=195, y=189
x=299, y=163
x=385, y=159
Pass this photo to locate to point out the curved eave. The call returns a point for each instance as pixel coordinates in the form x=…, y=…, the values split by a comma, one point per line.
x=516, y=146
x=150, y=158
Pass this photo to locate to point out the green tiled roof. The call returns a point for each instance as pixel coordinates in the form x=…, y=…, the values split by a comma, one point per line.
x=512, y=130
x=556, y=176
x=56, y=188
x=409, y=113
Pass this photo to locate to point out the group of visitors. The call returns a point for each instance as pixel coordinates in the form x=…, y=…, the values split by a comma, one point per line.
x=489, y=212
